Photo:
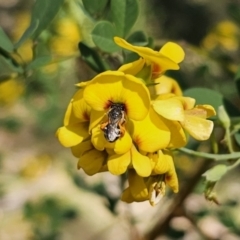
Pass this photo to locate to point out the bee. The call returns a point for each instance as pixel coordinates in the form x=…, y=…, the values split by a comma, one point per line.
x=113, y=129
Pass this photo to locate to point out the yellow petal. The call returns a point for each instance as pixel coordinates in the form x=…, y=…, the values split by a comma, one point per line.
x=162, y=166
x=81, y=148
x=69, y=117
x=116, y=87
x=133, y=68
x=151, y=134
x=173, y=51
x=123, y=144
x=118, y=164
x=171, y=178
x=120, y=146
x=96, y=118
x=83, y=84
x=170, y=108
x=92, y=161
x=208, y=108
x=178, y=137
x=152, y=56
x=98, y=139
x=198, y=128
x=80, y=108
x=136, y=97
x=104, y=88
x=77, y=110
x=166, y=85
x=72, y=135
x=127, y=196
x=187, y=102
x=137, y=187
x=142, y=164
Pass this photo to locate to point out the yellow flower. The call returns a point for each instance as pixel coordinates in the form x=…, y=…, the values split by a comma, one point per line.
x=164, y=85
x=164, y=165
x=195, y=122
x=90, y=160
x=117, y=87
x=152, y=188
x=111, y=93
x=224, y=35
x=119, y=163
x=169, y=56
x=150, y=134
x=181, y=109
x=10, y=91
x=65, y=41
x=76, y=122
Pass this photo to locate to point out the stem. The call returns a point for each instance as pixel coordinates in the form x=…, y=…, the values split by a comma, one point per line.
x=216, y=157
x=229, y=140
x=161, y=225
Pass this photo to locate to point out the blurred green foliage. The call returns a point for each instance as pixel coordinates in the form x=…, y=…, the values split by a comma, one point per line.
x=43, y=53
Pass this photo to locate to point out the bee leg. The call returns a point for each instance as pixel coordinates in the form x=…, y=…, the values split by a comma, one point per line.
x=103, y=125
x=122, y=130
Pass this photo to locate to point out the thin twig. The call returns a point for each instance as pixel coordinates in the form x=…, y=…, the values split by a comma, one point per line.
x=212, y=156
x=162, y=224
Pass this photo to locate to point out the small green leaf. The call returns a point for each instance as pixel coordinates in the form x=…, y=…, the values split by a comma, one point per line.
x=215, y=173
x=205, y=96
x=7, y=68
x=93, y=6
x=43, y=13
x=130, y=57
x=27, y=34
x=211, y=97
x=233, y=10
x=39, y=62
x=124, y=14
x=102, y=36
x=237, y=138
x=5, y=42
x=92, y=58
x=138, y=38
x=237, y=75
x=237, y=80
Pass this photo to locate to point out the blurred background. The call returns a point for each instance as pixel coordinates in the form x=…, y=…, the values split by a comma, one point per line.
x=42, y=194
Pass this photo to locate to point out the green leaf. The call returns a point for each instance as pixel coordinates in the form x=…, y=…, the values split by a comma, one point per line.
x=7, y=68
x=93, y=6
x=205, y=96
x=43, y=13
x=102, y=36
x=237, y=80
x=39, y=62
x=5, y=42
x=27, y=34
x=124, y=14
x=211, y=97
x=233, y=10
x=138, y=38
x=92, y=58
x=130, y=57
x=215, y=173
x=237, y=138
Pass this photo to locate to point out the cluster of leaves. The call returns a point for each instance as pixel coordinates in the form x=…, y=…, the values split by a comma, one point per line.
x=47, y=216
x=112, y=18
x=117, y=18
x=9, y=62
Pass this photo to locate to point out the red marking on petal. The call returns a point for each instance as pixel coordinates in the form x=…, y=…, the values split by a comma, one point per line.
x=108, y=104
x=167, y=177
x=138, y=141
x=86, y=116
x=156, y=70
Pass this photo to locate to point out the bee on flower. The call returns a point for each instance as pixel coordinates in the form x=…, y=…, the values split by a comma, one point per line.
x=119, y=123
